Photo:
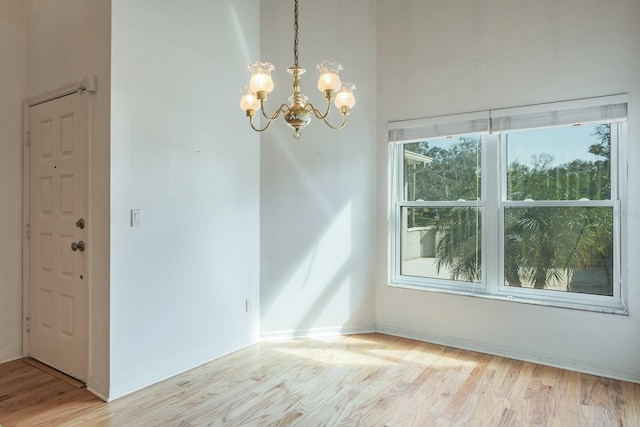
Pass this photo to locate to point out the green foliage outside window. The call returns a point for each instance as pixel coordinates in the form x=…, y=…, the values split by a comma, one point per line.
x=543, y=245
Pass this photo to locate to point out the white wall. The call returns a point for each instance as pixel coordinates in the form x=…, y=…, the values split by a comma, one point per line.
x=181, y=151
x=12, y=88
x=318, y=193
x=444, y=57
x=66, y=41
x=183, y=154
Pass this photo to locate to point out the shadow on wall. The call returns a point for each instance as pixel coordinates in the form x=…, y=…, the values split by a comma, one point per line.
x=313, y=262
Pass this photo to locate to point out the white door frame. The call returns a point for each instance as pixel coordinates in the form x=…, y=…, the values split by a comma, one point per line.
x=89, y=85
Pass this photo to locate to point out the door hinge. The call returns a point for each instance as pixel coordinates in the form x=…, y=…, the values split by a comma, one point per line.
x=27, y=231
x=28, y=323
x=28, y=138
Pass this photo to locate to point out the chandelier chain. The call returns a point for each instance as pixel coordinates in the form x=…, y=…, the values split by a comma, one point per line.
x=295, y=31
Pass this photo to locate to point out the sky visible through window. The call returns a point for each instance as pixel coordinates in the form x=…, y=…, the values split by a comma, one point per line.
x=564, y=144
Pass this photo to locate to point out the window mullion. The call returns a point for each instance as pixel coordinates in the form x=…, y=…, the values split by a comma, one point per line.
x=491, y=197
x=619, y=170
x=395, y=215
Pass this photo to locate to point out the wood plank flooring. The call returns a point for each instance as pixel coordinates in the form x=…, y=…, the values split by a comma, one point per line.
x=357, y=380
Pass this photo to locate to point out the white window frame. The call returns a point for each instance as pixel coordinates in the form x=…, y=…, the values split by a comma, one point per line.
x=493, y=125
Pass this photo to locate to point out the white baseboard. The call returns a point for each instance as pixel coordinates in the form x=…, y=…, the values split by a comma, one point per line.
x=317, y=332
x=98, y=388
x=513, y=353
x=121, y=390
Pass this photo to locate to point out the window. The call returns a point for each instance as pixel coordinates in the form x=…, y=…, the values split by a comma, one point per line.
x=520, y=203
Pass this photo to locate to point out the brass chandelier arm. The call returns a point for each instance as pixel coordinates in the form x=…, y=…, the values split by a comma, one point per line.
x=317, y=113
x=258, y=129
x=323, y=117
x=340, y=126
x=283, y=109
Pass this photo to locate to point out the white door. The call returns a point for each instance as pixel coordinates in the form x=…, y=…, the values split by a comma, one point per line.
x=58, y=246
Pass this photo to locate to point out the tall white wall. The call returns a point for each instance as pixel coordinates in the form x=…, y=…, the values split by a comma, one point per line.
x=183, y=154
x=445, y=57
x=318, y=193
x=66, y=41
x=12, y=88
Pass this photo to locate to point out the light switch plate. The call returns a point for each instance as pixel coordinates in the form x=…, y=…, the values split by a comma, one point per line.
x=136, y=218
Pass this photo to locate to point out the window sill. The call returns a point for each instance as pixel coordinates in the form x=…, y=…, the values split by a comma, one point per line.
x=620, y=309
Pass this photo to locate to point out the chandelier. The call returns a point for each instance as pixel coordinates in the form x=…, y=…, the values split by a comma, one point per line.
x=298, y=113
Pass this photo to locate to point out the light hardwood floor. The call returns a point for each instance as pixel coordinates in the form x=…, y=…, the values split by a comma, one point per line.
x=357, y=380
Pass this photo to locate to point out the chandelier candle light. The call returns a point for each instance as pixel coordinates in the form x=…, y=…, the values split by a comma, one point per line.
x=299, y=112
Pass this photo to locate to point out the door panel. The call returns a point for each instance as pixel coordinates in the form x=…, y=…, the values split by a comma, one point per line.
x=57, y=199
